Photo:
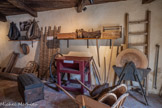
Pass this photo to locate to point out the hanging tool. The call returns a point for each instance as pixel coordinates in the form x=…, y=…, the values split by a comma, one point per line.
x=156, y=65
x=110, y=61
x=98, y=53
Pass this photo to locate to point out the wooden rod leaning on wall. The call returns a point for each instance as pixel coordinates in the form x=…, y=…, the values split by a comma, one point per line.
x=65, y=91
x=98, y=53
x=117, y=53
x=96, y=75
x=110, y=61
x=95, y=66
x=83, y=85
x=46, y=54
x=104, y=69
x=67, y=43
x=87, y=43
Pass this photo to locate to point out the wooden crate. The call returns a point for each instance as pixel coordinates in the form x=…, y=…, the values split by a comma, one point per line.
x=66, y=36
x=95, y=34
x=111, y=33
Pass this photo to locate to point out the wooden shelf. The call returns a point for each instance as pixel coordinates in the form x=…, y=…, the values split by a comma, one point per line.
x=25, y=40
x=91, y=38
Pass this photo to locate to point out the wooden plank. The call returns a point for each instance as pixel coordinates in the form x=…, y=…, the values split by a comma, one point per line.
x=19, y=4
x=137, y=33
x=138, y=22
x=45, y=5
x=147, y=1
x=10, y=76
x=3, y=17
x=66, y=36
x=25, y=40
x=113, y=37
x=137, y=44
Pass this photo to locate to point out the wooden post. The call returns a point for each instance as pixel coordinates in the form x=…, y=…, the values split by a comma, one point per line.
x=126, y=30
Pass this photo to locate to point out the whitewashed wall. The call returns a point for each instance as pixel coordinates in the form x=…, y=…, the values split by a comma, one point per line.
x=95, y=17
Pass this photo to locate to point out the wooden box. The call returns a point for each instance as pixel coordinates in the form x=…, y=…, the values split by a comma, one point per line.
x=66, y=36
x=30, y=88
x=111, y=33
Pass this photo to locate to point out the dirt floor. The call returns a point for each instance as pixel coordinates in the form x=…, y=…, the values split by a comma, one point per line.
x=9, y=95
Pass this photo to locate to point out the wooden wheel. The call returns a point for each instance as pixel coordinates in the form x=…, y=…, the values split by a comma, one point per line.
x=139, y=58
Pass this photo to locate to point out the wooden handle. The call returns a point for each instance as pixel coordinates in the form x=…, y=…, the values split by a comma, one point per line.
x=83, y=85
x=65, y=91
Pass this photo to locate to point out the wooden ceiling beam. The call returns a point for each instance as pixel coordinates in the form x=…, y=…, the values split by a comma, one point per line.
x=3, y=17
x=147, y=1
x=19, y=4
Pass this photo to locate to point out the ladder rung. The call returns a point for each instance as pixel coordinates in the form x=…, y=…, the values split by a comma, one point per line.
x=138, y=22
x=137, y=33
x=138, y=44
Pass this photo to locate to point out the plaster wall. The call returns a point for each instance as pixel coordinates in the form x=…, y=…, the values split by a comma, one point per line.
x=95, y=17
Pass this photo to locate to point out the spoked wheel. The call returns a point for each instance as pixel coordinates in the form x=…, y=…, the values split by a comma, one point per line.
x=53, y=66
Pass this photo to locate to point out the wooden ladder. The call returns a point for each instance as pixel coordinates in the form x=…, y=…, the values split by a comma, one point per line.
x=146, y=33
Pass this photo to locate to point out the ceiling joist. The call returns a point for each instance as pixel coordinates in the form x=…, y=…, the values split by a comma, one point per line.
x=3, y=17
x=15, y=7
x=19, y=4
